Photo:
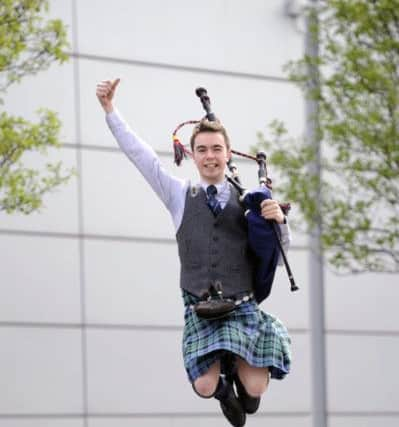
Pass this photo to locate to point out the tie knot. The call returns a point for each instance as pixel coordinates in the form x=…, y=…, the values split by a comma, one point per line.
x=211, y=190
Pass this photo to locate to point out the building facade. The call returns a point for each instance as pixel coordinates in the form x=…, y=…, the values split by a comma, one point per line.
x=90, y=310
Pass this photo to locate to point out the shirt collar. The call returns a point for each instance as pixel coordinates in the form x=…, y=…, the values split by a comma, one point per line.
x=221, y=186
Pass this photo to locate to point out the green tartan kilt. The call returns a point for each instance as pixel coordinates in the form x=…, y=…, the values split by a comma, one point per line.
x=257, y=337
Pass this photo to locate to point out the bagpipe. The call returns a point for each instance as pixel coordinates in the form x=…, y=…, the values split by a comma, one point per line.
x=264, y=236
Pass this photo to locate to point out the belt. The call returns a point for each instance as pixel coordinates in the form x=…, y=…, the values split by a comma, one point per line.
x=237, y=301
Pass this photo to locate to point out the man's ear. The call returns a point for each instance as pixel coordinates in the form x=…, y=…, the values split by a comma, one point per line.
x=228, y=156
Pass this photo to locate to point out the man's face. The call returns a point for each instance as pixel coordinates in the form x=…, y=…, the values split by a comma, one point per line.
x=210, y=156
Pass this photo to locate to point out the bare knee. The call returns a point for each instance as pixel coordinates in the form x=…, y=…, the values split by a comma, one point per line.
x=255, y=386
x=255, y=380
x=206, y=384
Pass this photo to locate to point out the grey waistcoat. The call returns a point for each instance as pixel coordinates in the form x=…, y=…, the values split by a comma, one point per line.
x=212, y=249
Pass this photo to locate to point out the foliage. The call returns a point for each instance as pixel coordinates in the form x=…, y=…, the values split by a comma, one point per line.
x=357, y=94
x=28, y=44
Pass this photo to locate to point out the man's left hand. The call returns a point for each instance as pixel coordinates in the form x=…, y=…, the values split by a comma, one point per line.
x=270, y=209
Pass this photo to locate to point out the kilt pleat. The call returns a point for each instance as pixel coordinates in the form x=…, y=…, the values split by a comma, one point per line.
x=257, y=337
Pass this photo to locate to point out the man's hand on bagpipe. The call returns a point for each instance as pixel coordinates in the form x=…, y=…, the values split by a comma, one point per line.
x=271, y=210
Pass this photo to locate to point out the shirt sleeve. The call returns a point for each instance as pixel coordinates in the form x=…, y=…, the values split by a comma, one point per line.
x=170, y=189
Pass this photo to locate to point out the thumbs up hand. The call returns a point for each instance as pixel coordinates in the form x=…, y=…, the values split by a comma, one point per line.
x=105, y=92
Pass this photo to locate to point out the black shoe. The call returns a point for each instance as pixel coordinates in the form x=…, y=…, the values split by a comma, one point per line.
x=249, y=403
x=229, y=403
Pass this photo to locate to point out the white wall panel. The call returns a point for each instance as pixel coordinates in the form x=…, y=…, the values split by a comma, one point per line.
x=219, y=34
x=40, y=279
x=132, y=283
x=133, y=372
x=117, y=200
x=291, y=307
x=133, y=422
x=154, y=101
x=60, y=211
x=362, y=302
x=41, y=422
x=257, y=420
x=52, y=89
x=365, y=421
x=218, y=420
x=40, y=370
x=293, y=394
x=362, y=373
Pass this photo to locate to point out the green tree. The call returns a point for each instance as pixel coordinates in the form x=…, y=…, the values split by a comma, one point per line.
x=358, y=117
x=28, y=44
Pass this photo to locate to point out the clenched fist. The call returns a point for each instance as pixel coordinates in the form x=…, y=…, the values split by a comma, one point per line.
x=270, y=209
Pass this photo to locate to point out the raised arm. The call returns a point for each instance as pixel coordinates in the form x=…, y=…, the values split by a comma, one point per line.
x=170, y=189
x=105, y=93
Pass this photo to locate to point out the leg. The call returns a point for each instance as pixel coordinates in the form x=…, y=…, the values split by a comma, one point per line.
x=251, y=383
x=255, y=380
x=205, y=385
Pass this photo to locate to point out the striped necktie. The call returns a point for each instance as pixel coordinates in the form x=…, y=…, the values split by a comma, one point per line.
x=212, y=202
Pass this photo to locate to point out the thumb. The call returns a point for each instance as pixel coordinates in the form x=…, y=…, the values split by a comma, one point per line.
x=115, y=84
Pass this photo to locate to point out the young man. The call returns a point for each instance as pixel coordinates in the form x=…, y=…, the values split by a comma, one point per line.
x=246, y=347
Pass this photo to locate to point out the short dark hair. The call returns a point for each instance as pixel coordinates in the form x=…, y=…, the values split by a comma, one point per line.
x=206, y=126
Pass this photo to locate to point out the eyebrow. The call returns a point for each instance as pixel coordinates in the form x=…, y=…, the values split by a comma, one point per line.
x=212, y=146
